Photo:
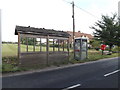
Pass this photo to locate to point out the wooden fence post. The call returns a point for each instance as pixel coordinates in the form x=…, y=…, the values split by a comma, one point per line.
x=63, y=45
x=27, y=43
x=34, y=44
x=19, y=37
x=47, y=49
x=68, y=49
x=58, y=45
x=53, y=45
x=40, y=45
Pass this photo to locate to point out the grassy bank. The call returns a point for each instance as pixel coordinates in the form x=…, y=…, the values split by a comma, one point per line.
x=9, y=56
x=10, y=63
x=93, y=56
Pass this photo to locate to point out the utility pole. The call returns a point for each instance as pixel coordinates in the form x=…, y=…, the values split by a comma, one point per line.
x=73, y=28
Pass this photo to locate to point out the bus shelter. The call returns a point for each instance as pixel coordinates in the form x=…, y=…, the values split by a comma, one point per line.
x=56, y=50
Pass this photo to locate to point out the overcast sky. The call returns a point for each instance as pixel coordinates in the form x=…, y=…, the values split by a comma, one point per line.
x=52, y=14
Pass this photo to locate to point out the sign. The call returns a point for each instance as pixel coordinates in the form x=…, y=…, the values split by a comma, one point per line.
x=103, y=47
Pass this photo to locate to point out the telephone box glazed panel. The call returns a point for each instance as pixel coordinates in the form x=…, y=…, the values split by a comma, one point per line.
x=80, y=48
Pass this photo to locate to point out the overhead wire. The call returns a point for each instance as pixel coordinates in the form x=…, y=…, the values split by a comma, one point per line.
x=87, y=12
x=67, y=2
x=83, y=10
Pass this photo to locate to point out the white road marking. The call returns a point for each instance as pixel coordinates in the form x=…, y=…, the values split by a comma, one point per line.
x=74, y=86
x=112, y=73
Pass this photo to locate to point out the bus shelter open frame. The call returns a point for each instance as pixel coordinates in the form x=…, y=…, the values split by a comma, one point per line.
x=22, y=32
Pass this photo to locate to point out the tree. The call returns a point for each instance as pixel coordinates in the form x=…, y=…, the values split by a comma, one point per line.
x=117, y=41
x=105, y=30
x=95, y=43
x=30, y=41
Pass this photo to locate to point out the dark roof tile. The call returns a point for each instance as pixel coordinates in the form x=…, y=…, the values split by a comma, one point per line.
x=40, y=31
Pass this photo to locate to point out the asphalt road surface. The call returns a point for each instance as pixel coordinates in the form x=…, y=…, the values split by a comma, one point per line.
x=98, y=74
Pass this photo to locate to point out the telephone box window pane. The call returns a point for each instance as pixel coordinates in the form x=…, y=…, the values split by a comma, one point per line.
x=84, y=46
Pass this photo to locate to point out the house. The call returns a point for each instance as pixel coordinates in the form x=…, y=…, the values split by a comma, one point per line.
x=79, y=35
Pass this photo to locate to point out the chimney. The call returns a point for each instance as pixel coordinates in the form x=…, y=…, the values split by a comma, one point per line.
x=79, y=31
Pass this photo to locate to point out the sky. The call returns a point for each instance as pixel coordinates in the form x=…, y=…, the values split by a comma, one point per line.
x=52, y=14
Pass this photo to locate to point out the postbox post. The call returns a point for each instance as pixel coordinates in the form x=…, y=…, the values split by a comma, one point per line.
x=103, y=48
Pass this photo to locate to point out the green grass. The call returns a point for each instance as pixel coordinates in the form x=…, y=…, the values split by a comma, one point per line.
x=10, y=64
x=93, y=56
x=12, y=49
x=9, y=50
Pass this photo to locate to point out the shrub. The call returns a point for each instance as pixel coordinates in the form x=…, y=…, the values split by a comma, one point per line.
x=116, y=49
x=97, y=48
x=7, y=67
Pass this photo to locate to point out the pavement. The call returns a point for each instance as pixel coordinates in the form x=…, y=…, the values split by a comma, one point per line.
x=97, y=74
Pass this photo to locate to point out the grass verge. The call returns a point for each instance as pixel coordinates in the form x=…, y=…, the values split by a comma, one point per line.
x=93, y=56
x=10, y=64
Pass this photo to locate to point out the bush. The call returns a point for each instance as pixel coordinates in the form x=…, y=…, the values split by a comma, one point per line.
x=9, y=64
x=97, y=48
x=7, y=67
x=55, y=45
x=116, y=49
x=10, y=60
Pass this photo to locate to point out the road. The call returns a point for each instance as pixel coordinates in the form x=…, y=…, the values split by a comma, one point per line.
x=97, y=74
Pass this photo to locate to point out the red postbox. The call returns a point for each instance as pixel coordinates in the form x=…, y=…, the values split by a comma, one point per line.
x=103, y=47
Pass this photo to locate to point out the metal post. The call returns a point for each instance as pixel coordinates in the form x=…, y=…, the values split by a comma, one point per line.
x=102, y=52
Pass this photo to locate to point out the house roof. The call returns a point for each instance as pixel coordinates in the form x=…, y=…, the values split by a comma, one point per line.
x=79, y=34
x=40, y=31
